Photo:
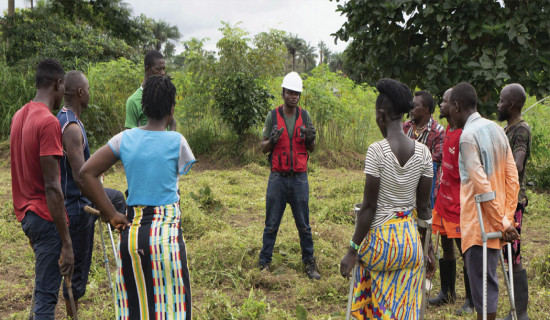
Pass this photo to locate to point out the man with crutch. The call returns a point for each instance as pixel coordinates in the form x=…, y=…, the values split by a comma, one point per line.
x=512, y=100
x=75, y=152
x=486, y=164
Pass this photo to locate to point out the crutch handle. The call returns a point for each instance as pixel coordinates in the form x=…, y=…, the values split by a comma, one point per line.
x=494, y=235
x=484, y=197
x=91, y=210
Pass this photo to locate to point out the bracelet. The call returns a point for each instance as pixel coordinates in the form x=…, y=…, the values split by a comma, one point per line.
x=353, y=245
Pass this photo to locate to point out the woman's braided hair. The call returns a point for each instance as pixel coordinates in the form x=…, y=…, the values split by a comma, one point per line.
x=159, y=95
x=395, y=97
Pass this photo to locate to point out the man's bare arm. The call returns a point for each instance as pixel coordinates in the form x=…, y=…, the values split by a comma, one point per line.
x=55, y=201
x=72, y=144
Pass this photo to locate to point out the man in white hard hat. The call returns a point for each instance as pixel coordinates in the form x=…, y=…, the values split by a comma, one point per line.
x=288, y=137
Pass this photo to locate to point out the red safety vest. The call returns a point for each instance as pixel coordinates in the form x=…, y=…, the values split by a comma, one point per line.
x=289, y=154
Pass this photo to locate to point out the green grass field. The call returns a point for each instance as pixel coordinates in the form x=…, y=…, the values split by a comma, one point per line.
x=223, y=231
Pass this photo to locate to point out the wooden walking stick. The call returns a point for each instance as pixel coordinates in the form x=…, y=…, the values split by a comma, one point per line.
x=71, y=297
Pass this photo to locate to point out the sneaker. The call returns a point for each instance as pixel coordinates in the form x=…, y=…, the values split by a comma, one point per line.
x=264, y=266
x=311, y=270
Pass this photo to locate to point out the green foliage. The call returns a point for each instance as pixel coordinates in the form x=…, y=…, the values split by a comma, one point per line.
x=111, y=83
x=542, y=268
x=206, y=199
x=114, y=17
x=163, y=33
x=437, y=44
x=240, y=93
x=538, y=165
x=341, y=110
x=73, y=42
x=243, y=101
x=16, y=89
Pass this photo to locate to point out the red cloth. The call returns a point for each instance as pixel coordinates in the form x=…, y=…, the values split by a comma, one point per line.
x=35, y=132
x=448, y=196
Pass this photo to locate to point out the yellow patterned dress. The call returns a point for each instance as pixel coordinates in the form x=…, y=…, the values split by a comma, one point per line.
x=388, y=281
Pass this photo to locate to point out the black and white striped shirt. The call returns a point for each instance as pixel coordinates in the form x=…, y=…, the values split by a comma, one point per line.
x=397, y=184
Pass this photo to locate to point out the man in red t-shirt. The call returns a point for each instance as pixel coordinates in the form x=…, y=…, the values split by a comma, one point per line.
x=36, y=147
x=446, y=214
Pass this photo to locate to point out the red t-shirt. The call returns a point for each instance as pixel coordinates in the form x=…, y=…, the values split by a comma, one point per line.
x=448, y=196
x=35, y=132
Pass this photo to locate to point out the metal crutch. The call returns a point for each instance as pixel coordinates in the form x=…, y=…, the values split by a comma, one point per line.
x=356, y=209
x=484, y=197
x=424, y=291
x=436, y=256
x=95, y=212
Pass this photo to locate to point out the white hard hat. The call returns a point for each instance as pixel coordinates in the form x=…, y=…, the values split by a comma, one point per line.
x=292, y=81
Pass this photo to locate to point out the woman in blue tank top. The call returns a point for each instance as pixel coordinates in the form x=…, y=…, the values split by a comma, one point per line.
x=153, y=277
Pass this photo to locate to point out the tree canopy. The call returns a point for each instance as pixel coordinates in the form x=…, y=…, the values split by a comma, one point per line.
x=74, y=32
x=434, y=45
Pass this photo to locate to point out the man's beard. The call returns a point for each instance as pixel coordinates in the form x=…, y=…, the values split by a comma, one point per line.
x=502, y=116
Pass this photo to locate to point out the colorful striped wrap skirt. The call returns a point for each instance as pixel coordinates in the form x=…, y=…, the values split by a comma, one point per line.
x=153, y=278
x=388, y=279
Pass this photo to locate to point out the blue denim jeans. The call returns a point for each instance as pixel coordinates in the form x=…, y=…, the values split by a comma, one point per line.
x=47, y=249
x=281, y=190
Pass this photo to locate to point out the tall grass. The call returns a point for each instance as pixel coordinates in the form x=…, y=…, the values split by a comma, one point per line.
x=16, y=89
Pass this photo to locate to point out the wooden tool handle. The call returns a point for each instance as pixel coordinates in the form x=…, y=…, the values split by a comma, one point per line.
x=91, y=210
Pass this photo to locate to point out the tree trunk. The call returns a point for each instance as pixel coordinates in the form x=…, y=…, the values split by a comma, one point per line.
x=293, y=62
x=11, y=8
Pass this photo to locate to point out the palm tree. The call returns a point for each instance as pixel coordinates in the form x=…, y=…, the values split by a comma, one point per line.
x=308, y=55
x=294, y=45
x=326, y=55
x=163, y=32
x=336, y=62
x=11, y=8
x=322, y=47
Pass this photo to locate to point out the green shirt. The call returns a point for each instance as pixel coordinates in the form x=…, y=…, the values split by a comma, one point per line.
x=290, y=122
x=134, y=113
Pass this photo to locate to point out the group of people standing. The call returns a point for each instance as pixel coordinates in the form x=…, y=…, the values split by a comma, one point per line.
x=472, y=156
x=419, y=174
x=54, y=178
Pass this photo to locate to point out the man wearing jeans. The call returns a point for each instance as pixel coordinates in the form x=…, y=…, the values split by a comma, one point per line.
x=35, y=143
x=288, y=136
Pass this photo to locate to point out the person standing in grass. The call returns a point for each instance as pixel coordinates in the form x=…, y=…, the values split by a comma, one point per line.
x=153, y=278
x=423, y=128
x=35, y=147
x=387, y=242
x=486, y=164
x=75, y=152
x=288, y=137
x=512, y=100
x=446, y=215
x=154, y=66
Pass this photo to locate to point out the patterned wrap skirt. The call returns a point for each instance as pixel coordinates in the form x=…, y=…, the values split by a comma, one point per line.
x=153, y=278
x=388, y=280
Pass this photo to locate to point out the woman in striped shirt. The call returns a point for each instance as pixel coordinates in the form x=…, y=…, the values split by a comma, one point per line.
x=387, y=242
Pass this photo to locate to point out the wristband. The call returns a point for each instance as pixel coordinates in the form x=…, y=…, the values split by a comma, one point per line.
x=353, y=245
